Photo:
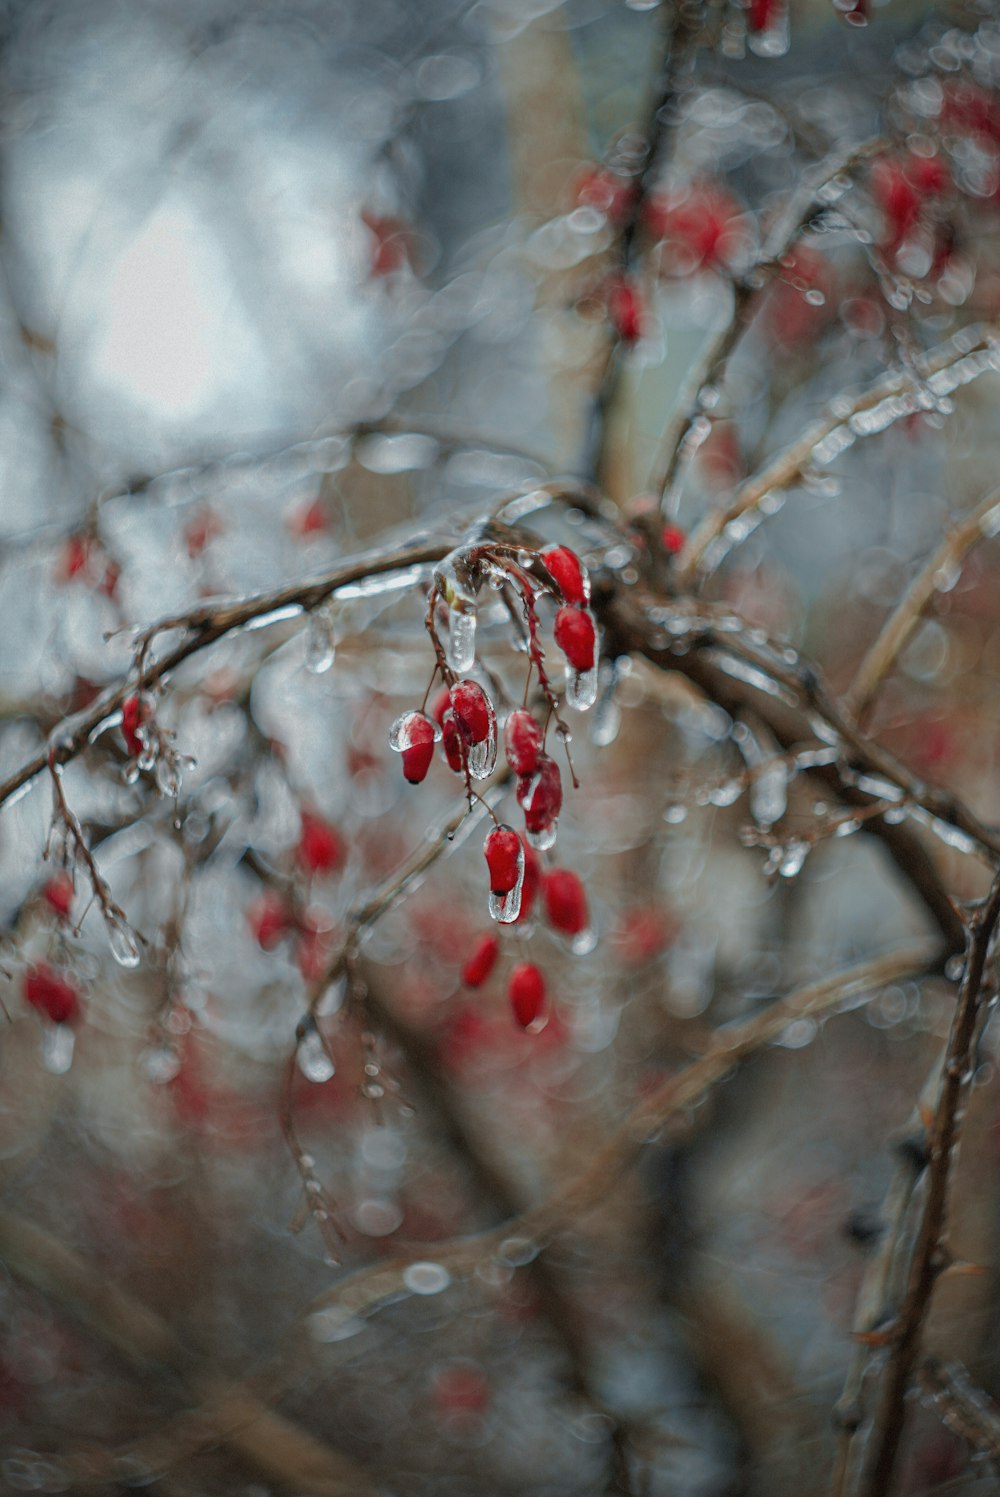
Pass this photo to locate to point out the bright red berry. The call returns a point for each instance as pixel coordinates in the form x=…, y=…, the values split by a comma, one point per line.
x=320, y=849
x=565, y=901
x=566, y=568
x=526, y=991
x=502, y=850
x=522, y=740
x=53, y=995
x=540, y=796
x=473, y=711
x=672, y=537
x=58, y=894
x=133, y=716
x=270, y=919
x=576, y=637
x=481, y=963
x=413, y=736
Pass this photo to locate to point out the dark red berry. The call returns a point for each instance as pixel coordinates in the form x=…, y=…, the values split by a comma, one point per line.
x=566, y=568
x=502, y=849
x=52, y=995
x=473, y=711
x=625, y=311
x=270, y=919
x=481, y=963
x=565, y=902
x=522, y=740
x=540, y=795
x=527, y=993
x=58, y=894
x=320, y=849
x=133, y=716
x=576, y=637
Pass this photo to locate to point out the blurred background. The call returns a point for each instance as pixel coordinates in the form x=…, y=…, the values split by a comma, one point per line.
x=279, y=283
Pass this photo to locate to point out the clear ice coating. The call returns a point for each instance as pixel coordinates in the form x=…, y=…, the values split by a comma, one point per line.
x=58, y=1044
x=168, y=775
x=122, y=941
x=793, y=856
x=769, y=793
x=321, y=643
x=771, y=40
x=312, y=1058
x=581, y=687
x=403, y=731
x=505, y=908
x=461, y=645
x=482, y=757
x=543, y=840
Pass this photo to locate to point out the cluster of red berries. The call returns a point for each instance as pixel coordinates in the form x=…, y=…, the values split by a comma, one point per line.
x=274, y=917
x=565, y=902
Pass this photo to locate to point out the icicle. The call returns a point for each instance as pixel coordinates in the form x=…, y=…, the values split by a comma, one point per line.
x=321, y=644
x=312, y=1058
x=581, y=687
x=58, y=1044
x=121, y=939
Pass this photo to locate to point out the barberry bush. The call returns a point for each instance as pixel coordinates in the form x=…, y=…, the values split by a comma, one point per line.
x=498, y=748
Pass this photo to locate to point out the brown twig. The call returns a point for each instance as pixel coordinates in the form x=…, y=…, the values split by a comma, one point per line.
x=895, y=392
x=929, y=1253
x=675, y=447
x=941, y=568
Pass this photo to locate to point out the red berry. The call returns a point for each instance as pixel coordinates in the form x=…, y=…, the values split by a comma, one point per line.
x=566, y=568
x=311, y=519
x=454, y=749
x=672, y=537
x=53, y=995
x=502, y=849
x=473, y=711
x=610, y=194
x=133, y=716
x=270, y=919
x=522, y=740
x=540, y=796
x=532, y=881
x=419, y=752
x=75, y=557
x=625, y=311
x=320, y=849
x=58, y=894
x=701, y=227
x=762, y=14
x=565, y=902
x=481, y=963
x=576, y=637
x=527, y=993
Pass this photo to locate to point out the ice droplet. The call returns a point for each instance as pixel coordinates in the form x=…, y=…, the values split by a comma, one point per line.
x=482, y=757
x=168, y=775
x=769, y=794
x=161, y=1063
x=426, y=1278
x=771, y=40
x=321, y=643
x=954, y=967
x=543, y=840
x=461, y=649
x=58, y=1044
x=312, y=1058
x=792, y=858
x=581, y=687
x=121, y=939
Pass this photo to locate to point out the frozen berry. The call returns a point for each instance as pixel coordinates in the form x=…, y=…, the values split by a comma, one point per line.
x=502, y=849
x=565, y=902
x=51, y=994
x=576, y=637
x=481, y=963
x=566, y=568
x=522, y=740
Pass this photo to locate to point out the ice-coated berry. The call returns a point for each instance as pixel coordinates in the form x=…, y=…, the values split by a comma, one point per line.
x=481, y=962
x=576, y=637
x=566, y=568
x=503, y=858
x=522, y=741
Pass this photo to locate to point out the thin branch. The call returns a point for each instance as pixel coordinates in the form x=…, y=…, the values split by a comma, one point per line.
x=676, y=447
x=364, y=1292
x=267, y=1441
x=939, y=572
x=930, y=1255
x=963, y=357
x=207, y=624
